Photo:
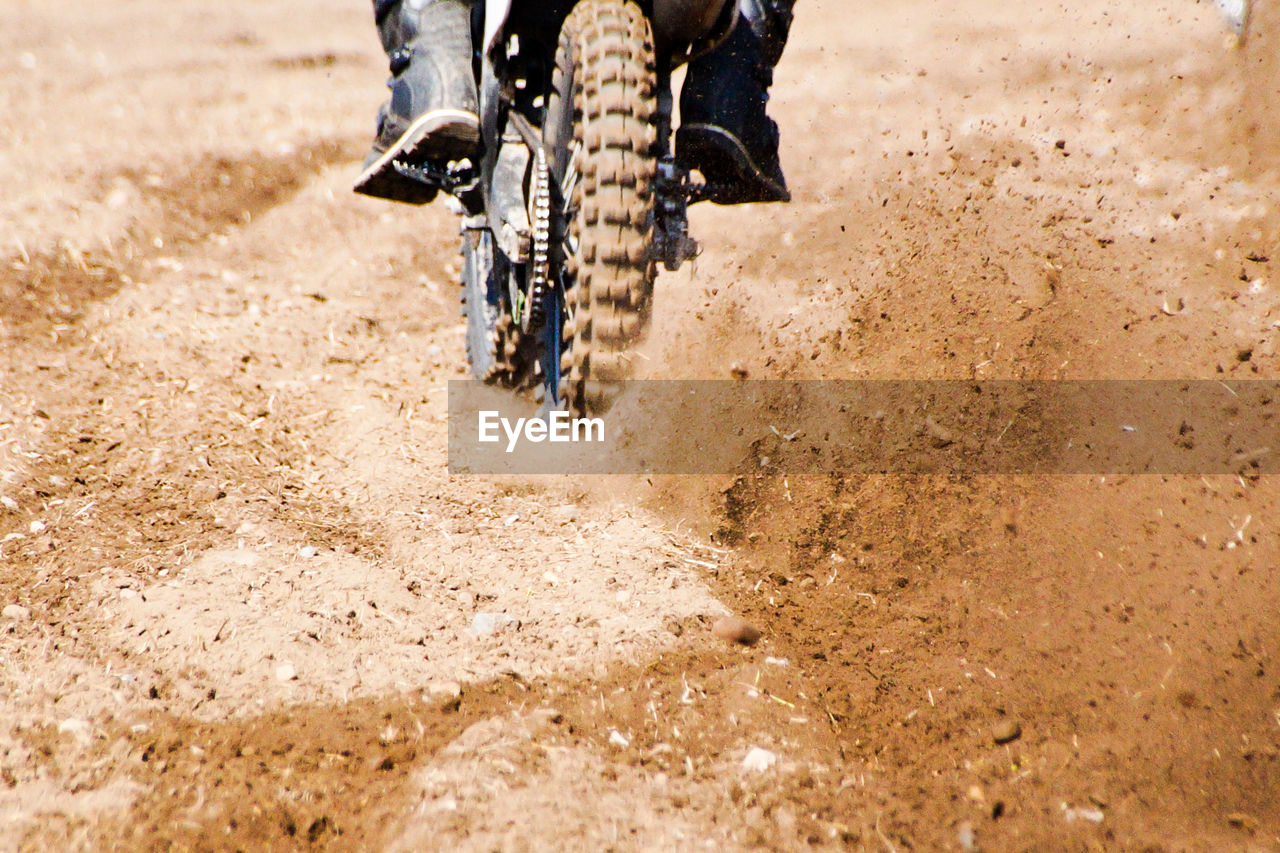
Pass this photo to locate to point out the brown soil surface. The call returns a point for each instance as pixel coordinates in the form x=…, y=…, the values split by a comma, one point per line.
x=242, y=587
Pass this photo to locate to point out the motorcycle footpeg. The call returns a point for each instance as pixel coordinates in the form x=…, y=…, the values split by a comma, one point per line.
x=452, y=178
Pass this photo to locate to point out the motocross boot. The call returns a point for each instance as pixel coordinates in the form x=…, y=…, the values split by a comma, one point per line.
x=432, y=114
x=724, y=131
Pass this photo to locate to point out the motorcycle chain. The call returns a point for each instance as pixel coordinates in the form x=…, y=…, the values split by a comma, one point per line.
x=539, y=270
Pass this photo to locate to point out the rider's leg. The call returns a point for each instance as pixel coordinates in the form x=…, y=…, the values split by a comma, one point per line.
x=724, y=132
x=432, y=114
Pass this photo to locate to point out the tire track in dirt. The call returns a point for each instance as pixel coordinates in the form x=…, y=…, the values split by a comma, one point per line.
x=199, y=204
x=171, y=211
x=449, y=771
x=258, y=479
x=91, y=467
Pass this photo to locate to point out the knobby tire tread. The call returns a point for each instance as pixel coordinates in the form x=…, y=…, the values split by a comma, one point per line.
x=606, y=49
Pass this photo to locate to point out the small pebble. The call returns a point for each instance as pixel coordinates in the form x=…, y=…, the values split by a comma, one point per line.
x=1240, y=820
x=286, y=672
x=444, y=696
x=939, y=435
x=77, y=728
x=966, y=836
x=488, y=623
x=117, y=198
x=16, y=612
x=547, y=715
x=306, y=552
x=1091, y=815
x=759, y=760
x=1006, y=731
x=618, y=739
x=737, y=630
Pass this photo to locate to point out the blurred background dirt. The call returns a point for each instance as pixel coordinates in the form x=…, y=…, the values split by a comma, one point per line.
x=245, y=605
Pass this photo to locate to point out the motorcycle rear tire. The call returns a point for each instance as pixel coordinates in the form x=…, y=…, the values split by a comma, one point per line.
x=600, y=122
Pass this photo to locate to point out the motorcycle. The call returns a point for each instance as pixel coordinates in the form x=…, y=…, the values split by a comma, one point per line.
x=575, y=196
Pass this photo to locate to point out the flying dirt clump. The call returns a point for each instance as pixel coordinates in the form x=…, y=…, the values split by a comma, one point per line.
x=737, y=630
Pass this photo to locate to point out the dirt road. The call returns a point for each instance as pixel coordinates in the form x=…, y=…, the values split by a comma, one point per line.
x=245, y=606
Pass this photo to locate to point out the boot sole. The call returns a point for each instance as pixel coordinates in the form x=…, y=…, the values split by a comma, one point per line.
x=731, y=175
x=435, y=135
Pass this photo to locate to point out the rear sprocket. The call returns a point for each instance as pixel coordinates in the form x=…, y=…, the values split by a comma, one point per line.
x=498, y=350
